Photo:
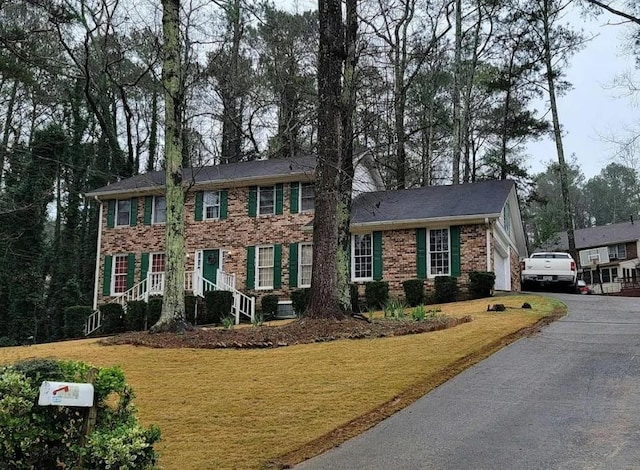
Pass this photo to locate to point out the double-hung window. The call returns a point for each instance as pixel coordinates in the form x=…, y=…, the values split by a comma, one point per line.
x=123, y=212
x=120, y=270
x=307, y=197
x=156, y=274
x=211, y=205
x=159, y=210
x=362, y=258
x=265, y=256
x=439, y=252
x=266, y=200
x=618, y=251
x=305, y=261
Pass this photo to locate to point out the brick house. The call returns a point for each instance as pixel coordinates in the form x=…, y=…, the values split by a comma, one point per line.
x=249, y=229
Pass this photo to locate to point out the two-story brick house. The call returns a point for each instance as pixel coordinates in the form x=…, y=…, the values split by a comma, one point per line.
x=249, y=226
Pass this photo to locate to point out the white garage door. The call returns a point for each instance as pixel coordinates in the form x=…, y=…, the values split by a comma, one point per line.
x=501, y=268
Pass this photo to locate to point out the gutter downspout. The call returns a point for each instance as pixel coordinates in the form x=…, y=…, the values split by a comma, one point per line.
x=97, y=273
x=488, y=237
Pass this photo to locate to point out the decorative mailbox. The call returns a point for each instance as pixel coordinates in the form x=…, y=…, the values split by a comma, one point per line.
x=66, y=394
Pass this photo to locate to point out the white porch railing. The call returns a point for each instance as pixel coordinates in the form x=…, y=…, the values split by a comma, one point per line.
x=193, y=282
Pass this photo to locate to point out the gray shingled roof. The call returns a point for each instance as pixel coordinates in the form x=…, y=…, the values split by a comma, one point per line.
x=486, y=198
x=594, y=237
x=212, y=174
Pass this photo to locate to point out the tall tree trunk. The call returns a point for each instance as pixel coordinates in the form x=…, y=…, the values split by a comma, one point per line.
x=457, y=115
x=324, y=301
x=7, y=127
x=557, y=131
x=153, y=133
x=172, y=317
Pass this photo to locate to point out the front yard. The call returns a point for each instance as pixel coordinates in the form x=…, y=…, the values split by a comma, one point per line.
x=239, y=409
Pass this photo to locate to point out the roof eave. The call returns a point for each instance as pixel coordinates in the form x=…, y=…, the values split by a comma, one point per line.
x=412, y=223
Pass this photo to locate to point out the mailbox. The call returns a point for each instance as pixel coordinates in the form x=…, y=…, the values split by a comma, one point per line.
x=66, y=394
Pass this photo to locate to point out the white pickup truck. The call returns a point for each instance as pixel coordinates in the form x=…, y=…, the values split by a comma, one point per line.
x=548, y=269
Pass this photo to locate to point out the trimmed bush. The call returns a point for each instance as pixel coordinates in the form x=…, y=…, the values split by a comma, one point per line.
x=218, y=305
x=414, y=292
x=47, y=437
x=136, y=315
x=112, y=318
x=75, y=319
x=154, y=310
x=300, y=301
x=446, y=289
x=269, y=305
x=190, y=308
x=355, y=298
x=376, y=294
x=481, y=284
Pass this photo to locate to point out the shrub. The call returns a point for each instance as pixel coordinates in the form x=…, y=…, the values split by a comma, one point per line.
x=446, y=289
x=394, y=309
x=190, y=308
x=75, y=319
x=269, y=305
x=376, y=294
x=419, y=313
x=481, y=283
x=154, y=310
x=136, y=315
x=48, y=436
x=355, y=298
x=112, y=318
x=218, y=305
x=300, y=301
x=414, y=292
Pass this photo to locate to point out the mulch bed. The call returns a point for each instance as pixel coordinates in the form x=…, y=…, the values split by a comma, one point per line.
x=303, y=331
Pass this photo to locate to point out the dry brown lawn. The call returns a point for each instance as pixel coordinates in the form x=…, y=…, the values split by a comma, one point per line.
x=239, y=409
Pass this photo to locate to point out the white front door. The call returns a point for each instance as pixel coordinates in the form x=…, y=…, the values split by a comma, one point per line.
x=503, y=273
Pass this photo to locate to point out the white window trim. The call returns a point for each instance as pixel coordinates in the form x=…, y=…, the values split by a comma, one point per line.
x=300, y=245
x=300, y=184
x=113, y=273
x=258, y=211
x=204, y=205
x=116, y=218
x=428, y=242
x=153, y=211
x=353, y=258
x=151, y=255
x=257, y=268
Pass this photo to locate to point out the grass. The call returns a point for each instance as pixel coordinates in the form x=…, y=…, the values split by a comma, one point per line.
x=238, y=409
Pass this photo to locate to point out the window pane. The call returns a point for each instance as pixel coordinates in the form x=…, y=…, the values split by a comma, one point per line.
x=265, y=266
x=120, y=274
x=306, y=260
x=606, y=275
x=123, y=211
x=157, y=263
x=266, y=200
x=439, y=251
x=363, y=256
x=159, y=210
x=307, y=196
x=211, y=203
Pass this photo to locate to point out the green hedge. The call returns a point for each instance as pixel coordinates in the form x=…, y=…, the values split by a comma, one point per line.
x=481, y=284
x=446, y=289
x=376, y=294
x=414, y=292
x=355, y=299
x=218, y=305
x=300, y=301
x=136, y=315
x=269, y=304
x=112, y=319
x=154, y=310
x=75, y=319
x=190, y=308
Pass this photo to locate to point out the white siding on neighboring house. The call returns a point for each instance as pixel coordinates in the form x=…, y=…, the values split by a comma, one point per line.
x=365, y=178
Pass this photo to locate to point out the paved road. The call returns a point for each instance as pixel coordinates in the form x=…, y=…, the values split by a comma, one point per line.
x=566, y=398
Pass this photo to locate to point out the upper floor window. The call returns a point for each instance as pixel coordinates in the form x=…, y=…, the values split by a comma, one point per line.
x=123, y=212
x=119, y=277
x=265, y=260
x=506, y=218
x=305, y=264
x=618, y=251
x=211, y=205
x=159, y=209
x=266, y=200
x=362, y=258
x=307, y=196
x=439, y=252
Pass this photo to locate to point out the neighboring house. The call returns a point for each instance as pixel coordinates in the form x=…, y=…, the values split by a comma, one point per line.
x=248, y=228
x=608, y=255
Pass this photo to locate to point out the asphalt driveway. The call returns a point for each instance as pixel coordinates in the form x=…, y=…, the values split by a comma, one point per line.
x=566, y=398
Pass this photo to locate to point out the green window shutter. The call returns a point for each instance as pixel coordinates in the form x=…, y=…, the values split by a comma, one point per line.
x=111, y=214
x=148, y=205
x=144, y=266
x=277, y=266
x=293, y=265
x=456, y=268
x=294, y=197
x=131, y=269
x=106, y=279
x=133, y=216
x=224, y=204
x=198, y=209
x=421, y=253
x=253, y=200
x=279, y=198
x=377, y=256
x=251, y=267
